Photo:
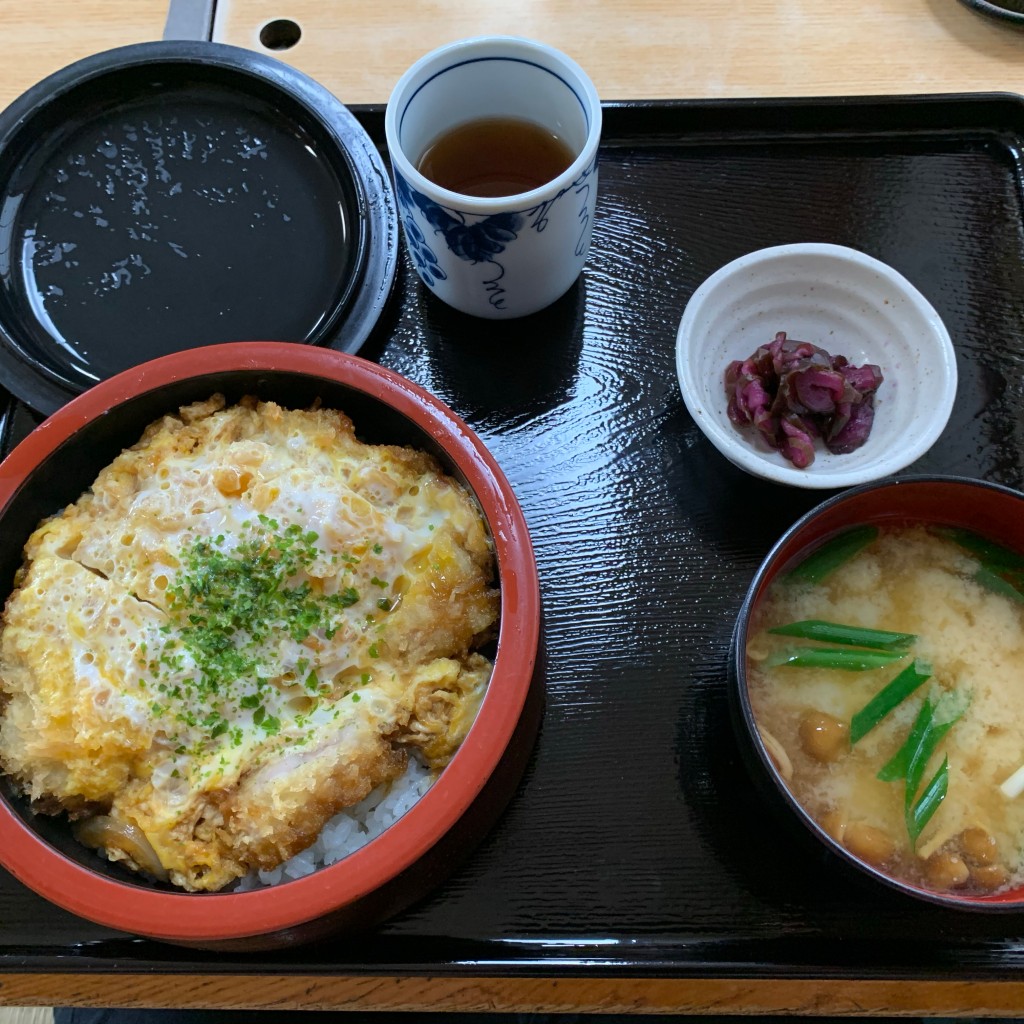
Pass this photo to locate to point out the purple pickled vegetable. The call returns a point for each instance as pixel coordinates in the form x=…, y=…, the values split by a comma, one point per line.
x=798, y=435
x=854, y=431
x=793, y=392
x=752, y=399
x=817, y=389
x=865, y=379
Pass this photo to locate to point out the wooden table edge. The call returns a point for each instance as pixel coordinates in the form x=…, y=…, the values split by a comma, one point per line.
x=756, y=996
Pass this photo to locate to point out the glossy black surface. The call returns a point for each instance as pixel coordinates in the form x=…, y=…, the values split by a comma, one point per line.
x=169, y=195
x=1010, y=12
x=637, y=841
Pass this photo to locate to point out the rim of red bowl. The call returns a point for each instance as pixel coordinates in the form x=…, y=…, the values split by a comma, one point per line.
x=939, y=499
x=219, y=916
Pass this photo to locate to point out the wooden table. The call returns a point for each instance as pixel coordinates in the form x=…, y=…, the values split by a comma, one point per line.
x=661, y=49
x=648, y=49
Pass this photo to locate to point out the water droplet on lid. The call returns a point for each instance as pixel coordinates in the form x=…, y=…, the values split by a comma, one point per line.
x=184, y=177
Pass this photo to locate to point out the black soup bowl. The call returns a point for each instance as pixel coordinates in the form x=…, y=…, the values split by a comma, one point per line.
x=949, y=861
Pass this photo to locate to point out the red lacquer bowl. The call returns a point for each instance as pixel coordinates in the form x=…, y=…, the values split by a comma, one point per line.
x=60, y=459
x=990, y=510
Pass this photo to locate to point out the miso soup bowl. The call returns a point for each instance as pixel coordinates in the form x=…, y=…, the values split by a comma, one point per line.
x=61, y=458
x=991, y=510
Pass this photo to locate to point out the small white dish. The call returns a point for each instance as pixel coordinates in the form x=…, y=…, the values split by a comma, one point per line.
x=845, y=302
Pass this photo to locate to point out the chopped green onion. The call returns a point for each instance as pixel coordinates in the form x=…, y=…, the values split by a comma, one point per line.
x=847, y=659
x=888, y=698
x=896, y=767
x=855, y=636
x=1001, y=571
x=995, y=583
x=927, y=743
x=934, y=793
x=992, y=555
x=832, y=554
x=909, y=762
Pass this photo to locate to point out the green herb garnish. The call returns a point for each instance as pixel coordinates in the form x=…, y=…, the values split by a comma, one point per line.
x=855, y=636
x=920, y=813
x=942, y=716
x=889, y=697
x=232, y=601
x=227, y=607
x=934, y=719
x=832, y=554
x=997, y=584
x=1001, y=571
x=896, y=767
x=993, y=556
x=848, y=659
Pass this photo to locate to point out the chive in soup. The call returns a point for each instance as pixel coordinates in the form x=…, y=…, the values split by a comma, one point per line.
x=885, y=677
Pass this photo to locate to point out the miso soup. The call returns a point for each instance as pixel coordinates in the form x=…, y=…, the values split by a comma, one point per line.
x=906, y=751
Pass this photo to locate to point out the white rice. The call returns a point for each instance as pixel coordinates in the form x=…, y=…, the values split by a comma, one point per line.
x=350, y=829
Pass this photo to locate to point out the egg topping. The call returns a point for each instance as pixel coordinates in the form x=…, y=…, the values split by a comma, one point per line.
x=247, y=624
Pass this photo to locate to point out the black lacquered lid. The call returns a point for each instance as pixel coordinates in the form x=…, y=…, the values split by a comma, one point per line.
x=168, y=195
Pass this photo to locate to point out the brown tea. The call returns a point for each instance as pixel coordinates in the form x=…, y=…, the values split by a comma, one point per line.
x=495, y=156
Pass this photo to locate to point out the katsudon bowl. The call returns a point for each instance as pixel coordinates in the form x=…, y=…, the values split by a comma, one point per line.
x=59, y=461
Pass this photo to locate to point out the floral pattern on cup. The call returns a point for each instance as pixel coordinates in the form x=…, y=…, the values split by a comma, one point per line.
x=484, y=239
x=423, y=256
x=496, y=257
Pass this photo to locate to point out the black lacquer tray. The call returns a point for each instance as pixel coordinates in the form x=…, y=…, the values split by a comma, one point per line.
x=636, y=843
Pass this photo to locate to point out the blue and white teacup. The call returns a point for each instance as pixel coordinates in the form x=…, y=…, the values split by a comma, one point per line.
x=513, y=255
